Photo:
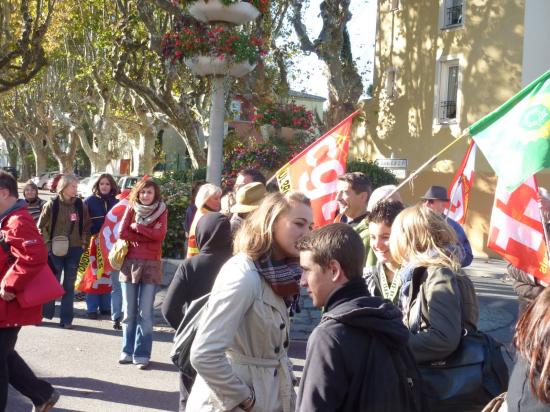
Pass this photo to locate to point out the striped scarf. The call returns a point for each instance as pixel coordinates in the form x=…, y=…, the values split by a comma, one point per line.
x=283, y=277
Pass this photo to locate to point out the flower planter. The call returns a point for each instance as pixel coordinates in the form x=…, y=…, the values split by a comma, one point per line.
x=214, y=10
x=288, y=133
x=207, y=65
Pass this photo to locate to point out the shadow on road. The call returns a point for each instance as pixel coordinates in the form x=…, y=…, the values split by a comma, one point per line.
x=112, y=392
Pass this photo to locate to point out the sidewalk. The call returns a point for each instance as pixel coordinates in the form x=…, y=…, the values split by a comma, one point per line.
x=82, y=363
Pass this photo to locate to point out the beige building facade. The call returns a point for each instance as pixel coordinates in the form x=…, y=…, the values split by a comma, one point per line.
x=441, y=65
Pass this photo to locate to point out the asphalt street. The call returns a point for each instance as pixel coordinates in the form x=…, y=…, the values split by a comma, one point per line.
x=82, y=363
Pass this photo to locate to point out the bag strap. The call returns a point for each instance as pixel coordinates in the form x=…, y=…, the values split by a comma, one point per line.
x=55, y=212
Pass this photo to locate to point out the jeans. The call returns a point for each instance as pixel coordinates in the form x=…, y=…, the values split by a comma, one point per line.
x=116, y=297
x=67, y=264
x=14, y=371
x=137, y=326
x=101, y=302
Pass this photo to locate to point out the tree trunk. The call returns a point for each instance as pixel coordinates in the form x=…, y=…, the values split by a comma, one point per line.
x=98, y=161
x=39, y=155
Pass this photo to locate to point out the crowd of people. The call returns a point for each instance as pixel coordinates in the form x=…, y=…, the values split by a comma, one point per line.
x=387, y=278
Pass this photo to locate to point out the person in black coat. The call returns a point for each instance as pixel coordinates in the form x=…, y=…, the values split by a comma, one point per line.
x=195, y=276
x=357, y=359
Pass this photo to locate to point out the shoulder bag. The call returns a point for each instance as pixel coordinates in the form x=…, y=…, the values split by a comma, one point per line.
x=470, y=377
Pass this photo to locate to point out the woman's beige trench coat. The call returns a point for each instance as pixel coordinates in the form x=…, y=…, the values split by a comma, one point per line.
x=241, y=344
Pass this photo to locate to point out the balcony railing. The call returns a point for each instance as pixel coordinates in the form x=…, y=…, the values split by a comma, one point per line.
x=447, y=110
x=453, y=15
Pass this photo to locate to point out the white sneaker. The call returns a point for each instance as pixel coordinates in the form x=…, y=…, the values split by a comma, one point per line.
x=143, y=366
x=125, y=359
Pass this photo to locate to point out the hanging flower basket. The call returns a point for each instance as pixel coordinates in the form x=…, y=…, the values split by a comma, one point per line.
x=209, y=65
x=214, y=10
x=192, y=39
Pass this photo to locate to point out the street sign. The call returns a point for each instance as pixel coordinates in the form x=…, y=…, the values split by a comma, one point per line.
x=392, y=163
x=398, y=167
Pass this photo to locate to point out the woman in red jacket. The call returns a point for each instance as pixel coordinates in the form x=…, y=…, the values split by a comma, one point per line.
x=144, y=227
x=22, y=254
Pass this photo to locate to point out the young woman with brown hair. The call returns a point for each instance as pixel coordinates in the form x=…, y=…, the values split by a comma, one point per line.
x=144, y=227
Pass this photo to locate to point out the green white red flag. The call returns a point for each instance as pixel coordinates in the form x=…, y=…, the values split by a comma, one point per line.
x=516, y=231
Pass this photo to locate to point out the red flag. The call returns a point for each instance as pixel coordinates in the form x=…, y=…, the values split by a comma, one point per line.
x=459, y=191
x=516, y=230
x=315, y=170
x=108, y=234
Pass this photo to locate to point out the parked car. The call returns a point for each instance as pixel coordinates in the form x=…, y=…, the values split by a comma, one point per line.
x=128, y=182
x=42, y=180
x=85, y=186
x=52, y=182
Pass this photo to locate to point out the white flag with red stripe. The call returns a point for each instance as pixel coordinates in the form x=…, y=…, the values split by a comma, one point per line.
x=516, y=230
x=459, y=191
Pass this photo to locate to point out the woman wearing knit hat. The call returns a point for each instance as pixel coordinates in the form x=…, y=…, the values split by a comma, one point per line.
x=64, y=224
x=34, y=203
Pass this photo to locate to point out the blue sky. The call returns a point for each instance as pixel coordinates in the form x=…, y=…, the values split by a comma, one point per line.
x=362, y=28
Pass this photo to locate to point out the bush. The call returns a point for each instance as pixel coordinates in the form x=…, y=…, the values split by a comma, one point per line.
x=176, y=191
x=379, y=176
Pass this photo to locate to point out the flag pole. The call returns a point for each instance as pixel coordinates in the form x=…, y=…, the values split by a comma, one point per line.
x=430, y=161
x=352, y=115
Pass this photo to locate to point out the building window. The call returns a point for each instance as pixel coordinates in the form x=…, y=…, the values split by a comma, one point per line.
x=448, y=91
x=390, y=82
x=452, y=13
x=394, y=5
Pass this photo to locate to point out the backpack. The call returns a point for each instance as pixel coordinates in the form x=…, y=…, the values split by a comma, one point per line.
x=411, y=391
x=183, y=340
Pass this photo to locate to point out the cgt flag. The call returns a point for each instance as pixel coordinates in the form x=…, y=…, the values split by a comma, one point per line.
x=314, y=171
x=516, y=231
x=108, y=234
x=459, y=191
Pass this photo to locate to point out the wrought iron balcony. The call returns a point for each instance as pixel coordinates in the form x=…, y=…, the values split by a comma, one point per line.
x=447, y=110
x=453, y=15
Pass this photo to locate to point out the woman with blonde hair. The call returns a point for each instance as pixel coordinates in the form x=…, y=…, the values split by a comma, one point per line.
x=240, y=350
x=64, y=224
x=421, y=237
x=144, y=226
x=208, y=199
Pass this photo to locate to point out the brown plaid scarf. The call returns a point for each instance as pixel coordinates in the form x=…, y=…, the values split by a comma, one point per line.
x=283, y=277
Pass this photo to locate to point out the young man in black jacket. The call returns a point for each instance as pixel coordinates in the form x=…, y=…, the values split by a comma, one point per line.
x=357, y=359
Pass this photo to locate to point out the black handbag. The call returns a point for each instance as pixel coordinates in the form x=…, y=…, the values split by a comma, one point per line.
x=467, y=379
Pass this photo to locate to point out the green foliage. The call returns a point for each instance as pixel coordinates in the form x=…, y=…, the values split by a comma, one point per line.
x=378, y=175
x=176, y=192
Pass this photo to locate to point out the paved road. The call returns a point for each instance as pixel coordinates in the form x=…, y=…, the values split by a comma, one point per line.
x=82, y=363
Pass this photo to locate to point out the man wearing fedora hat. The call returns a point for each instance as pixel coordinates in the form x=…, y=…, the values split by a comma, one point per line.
x=436, y=199
x=248, y=198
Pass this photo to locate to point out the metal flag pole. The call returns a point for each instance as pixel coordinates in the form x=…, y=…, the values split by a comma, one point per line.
x=430, y=161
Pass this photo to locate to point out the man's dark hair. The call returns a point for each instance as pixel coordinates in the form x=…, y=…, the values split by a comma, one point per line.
x=255, y=174
x=358, y=181
x=8, y=182
x=337, y=241
x=385, y=212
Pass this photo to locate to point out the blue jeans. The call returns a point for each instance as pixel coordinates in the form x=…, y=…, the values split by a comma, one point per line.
x=116, y=297
x=101, y=302
x=67, y=264
x=137, y=326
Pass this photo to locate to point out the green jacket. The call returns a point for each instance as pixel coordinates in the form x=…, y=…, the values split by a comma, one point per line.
x=362, y=228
